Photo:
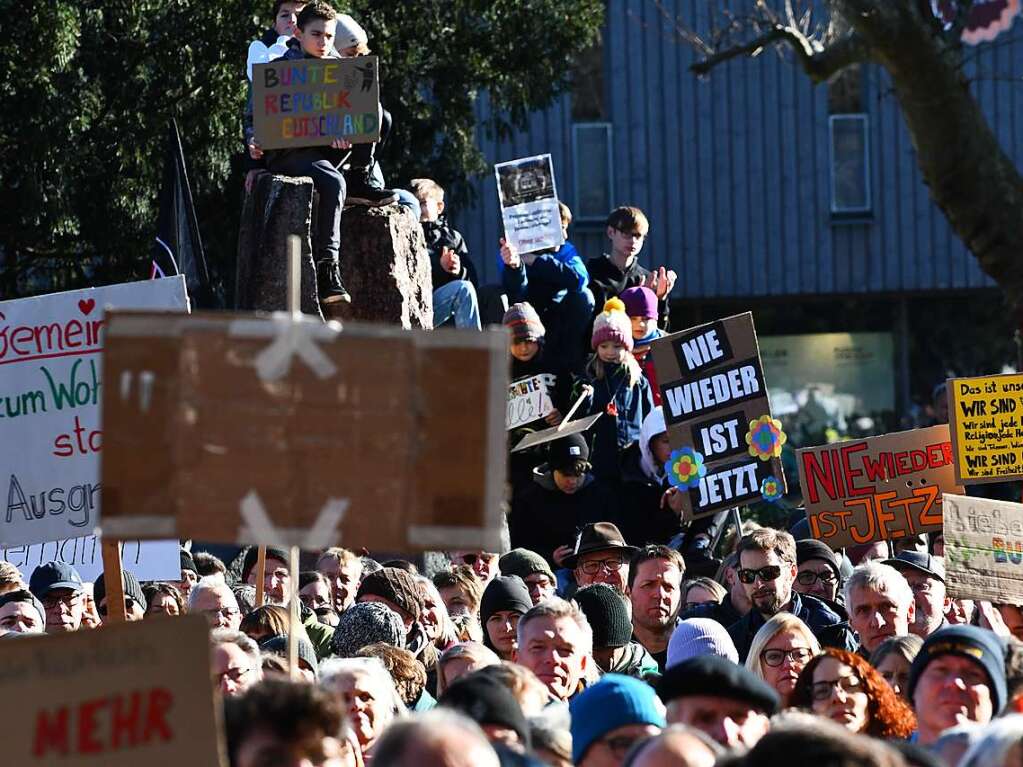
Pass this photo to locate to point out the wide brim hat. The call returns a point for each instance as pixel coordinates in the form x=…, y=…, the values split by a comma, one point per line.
x=599, y=536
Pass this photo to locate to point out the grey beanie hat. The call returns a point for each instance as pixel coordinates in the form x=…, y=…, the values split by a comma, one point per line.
x=363, y=624
x=278, y=645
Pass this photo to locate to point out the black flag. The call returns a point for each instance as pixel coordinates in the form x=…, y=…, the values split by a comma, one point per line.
x=178, y=247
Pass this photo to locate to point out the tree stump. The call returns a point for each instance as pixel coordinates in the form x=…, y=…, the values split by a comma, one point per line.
x=386, y=267
x=384, y=262
x=276, y=207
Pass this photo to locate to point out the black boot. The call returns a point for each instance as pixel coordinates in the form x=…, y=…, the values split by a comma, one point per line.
x=366, y=191
x=328, y=283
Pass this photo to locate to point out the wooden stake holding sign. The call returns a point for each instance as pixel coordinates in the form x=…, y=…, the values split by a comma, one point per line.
x=260, y=576
x=113, y=580
x=294, y=621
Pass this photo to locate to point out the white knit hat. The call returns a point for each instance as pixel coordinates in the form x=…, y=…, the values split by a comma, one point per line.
x=348, y=33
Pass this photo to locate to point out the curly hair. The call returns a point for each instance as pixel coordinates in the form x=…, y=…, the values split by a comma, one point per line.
x=888, y=715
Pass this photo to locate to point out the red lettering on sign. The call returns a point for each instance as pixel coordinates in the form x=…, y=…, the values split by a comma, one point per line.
x=851, y=473
x=270, y=104
x=51, y=733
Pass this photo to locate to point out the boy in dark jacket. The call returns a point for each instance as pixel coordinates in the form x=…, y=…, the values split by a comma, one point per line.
x=562, y=497
x=454, y=277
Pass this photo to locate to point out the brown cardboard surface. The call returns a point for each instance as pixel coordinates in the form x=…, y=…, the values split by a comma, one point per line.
x=879, y=488
x=738, y=351
x=407, y=433
x=985, y=416
x=983, y=549
x=311, y=102
x=62, y=694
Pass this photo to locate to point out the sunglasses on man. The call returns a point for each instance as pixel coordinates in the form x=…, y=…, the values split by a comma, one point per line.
x=765, y=574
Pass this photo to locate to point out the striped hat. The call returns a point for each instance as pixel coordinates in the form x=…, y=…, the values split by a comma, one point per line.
x=524, y=322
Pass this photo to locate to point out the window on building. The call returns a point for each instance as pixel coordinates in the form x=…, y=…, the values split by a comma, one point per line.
x=588, y=101
x=850, y=164
x=591, y=159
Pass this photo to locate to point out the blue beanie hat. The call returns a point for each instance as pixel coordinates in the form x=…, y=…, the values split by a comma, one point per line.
x=981, y=646
x=613, y=702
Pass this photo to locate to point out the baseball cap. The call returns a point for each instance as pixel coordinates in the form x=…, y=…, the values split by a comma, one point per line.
x=54, y=575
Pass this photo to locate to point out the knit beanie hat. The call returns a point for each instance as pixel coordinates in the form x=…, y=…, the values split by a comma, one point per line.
x=612, y=324
x=505, y=592
x=524, y=322
x=396, y=586
x=348, y=33
x=613, y=702
x=278, y=645
x=979, y=645
x=132, y=588
x=486, y=700
x=523, y=562
x=363, y=624
x=187, y=563
x=607, y=614
x=640, y=302
x=24, y=595
x=699, y=636
x=252, y=556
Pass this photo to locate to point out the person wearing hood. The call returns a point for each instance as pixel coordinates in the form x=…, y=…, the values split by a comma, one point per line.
x=613, y=648
x=562, y=497
x=505, y=600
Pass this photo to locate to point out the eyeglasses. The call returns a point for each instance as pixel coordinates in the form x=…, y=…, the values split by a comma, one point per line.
x=594, y=565
x=807, y=577
x=822, y=690
x=765, y=574
x=68, y=600
x=775, y=658
x=236, y=675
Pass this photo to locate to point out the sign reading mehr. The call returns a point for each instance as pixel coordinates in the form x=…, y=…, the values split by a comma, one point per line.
x=116, y=696
x=715, y=405
x=267, y=430
x=983, y=549
x=879, y=488
x=312, y=102
x=986, y=418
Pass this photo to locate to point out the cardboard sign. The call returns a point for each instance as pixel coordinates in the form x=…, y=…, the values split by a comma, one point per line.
x=263, y=430
x=116, y=696
x=529, y=203
x=312, y=102
x=148, y=560
x=879, y=488
x=983, y=549
x=528, y=401
x=50, y=434
x=715, y=401
x=537, y=438
x=986, y=418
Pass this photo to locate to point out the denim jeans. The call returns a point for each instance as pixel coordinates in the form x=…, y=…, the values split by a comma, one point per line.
x=456, y=299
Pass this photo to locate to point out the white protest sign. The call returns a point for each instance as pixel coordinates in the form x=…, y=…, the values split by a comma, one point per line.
x=50, y=390
x=528, y=401
x=983, y=548
x=148, y=560
x=529, y=203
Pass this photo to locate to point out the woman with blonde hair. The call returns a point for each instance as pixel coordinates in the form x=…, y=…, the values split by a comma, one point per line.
x=367, y=692
x=780, y=651
x=462, y=659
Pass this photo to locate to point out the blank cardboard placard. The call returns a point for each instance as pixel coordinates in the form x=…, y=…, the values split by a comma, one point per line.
x=374, y=436
x=116, y=696
x=983, y=549
x=312, y=102
x=538, y=438
x=985, y=415
x=881, y=488
x=712, y=389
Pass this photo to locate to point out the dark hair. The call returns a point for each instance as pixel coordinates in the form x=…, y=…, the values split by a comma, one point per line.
x=577, y=468
x=409, y=674
x=292, y=711
x=402, y=564
x=279, y=3
x=767, y=539
x=150, y=590
x=312, y=576
x=207, y=564
x=315, y=10
x=628, y=218
x=655, y=551
x=463, y=578
x=246, y=597
x=821, y=743
x=889, y=716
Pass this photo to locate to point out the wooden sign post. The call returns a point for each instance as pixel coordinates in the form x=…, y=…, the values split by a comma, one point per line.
x=260, y=575
x=113, y=580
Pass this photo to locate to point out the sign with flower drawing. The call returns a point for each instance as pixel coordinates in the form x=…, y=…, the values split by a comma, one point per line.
x=726, y=446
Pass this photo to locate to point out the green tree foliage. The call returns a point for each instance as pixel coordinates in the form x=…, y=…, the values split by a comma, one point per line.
x=88, y=87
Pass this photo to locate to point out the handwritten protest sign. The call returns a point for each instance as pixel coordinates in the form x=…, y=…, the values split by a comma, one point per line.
x=148, y=560
x=529, y=203
x=117, y=696
x=879, y=488
x=50, y=434
x=312, y=102
x=272, y=431
x=528, y=401
x=726, y=446
x=986, y=418
x=983, y=549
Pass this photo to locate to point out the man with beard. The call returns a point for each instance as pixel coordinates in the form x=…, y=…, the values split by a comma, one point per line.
x=655, y=591
x=767, y=570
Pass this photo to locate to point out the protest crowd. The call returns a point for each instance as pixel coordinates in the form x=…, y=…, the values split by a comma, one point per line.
x=616, y=628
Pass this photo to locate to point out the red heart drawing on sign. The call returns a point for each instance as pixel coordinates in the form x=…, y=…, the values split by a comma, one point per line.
x=87, y=306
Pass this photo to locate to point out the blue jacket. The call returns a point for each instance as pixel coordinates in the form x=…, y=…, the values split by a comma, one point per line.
x=824, y=622
x=547, y=279
x=613, y=433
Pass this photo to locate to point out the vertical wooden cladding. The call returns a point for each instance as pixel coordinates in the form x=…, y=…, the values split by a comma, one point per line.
x=734, y=169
